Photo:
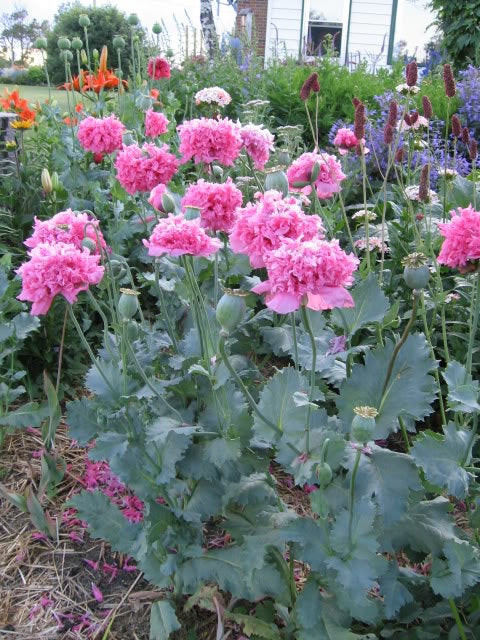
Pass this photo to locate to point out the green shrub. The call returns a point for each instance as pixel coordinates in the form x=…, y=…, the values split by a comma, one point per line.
x=35, y=75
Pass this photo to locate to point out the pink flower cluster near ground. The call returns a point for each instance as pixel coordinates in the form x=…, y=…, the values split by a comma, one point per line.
x=101, y=135
x=142, y=168
x=208, y=139
x=217, y=203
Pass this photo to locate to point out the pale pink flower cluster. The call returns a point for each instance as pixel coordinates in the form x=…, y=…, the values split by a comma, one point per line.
x=412, y=192
x=258, y=143
x=142, y=168
x=329, y=176
x=421, y=121
x=177, y=236
x=374, y=244
x=208, y=139
x=345, y=140
x=156, y=195
x=263, y=226
x=101, y=135
x=462, y=238
x=217, y=203
x=156, y=123
x=57, y=268
x=69, y=227
x=311, y=273
x=214, y=95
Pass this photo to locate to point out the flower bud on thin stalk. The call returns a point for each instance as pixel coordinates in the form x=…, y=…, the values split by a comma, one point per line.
x=427, y=107
x=448, y=81
x=46, y=181
x=424, y=186
x=465, y=136
x=392, y=113
x=456, y=126
x=411, y=73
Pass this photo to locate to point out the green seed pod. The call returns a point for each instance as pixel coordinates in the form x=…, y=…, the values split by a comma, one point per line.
x=217, y=171
x=40, y=43
x=77, y=43
x=133, y=20
x=168, y=203
x=416, y=272
x=324, y=474
x=88, y=243
x=117, y=269
x=132, y=329
x=277, y=179
x=170, y=53
x=284, y=158
x=363, y=424
x=118, y=42
x=191, y=213
x=157, y=29
x=64, y=43
x=128, y=303
x=46, y=181
x=230, y=310
x=84, y=20
x=66, y=55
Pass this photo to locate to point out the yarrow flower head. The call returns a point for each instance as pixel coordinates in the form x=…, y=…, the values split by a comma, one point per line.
x=213, y=95
x=406, y=89
x=57, y=268
x=461, y=246
x=158, y=68
x=263, y=226
x=374, y=244
x=142, y=168
x=313, y=273
x=101, y=135
x=329, y=176
x=156, y=123
x=208, y=139
x=364, y=214
x=418, y=123
x=412, y=192
x=177, y=236
x=217, y=203
x=69, y=227
x=258, y=143
x=346, y=140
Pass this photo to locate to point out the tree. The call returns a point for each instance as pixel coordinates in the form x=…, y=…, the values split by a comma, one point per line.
x=208, y=27
x=105, y=23
x=17, y=33
x=460, y=26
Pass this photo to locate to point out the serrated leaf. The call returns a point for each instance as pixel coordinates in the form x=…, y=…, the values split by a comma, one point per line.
x=163, y=620
x=461, y=569
x=279, y=339
x=30, y=414
x=410, y=379
x=389, y=477
x=254, y=626
x=221, y=451
x=462, y=389
x=82, y=420
x=371, y=305
x=442, y=457
x=105, y=520
x=114, y=390
x=108, y=446
x=395, y=594
x=24, y=323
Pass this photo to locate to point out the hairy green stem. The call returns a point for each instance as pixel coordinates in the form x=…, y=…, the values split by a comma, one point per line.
x=308, y=328
x=163, y=307
x=457, y=618
x=473, y=322
x=295, y=342
x=352, y=492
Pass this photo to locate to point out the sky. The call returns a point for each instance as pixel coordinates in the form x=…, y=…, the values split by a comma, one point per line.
x=412, y=19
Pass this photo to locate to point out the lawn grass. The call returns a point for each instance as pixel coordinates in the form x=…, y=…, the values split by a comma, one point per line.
x=34, y=93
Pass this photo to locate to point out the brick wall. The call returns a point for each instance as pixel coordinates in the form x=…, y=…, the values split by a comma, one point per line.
x=259, y=10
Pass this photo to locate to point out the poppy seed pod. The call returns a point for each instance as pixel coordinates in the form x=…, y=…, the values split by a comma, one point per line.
x=64, y=43
x=84, y=20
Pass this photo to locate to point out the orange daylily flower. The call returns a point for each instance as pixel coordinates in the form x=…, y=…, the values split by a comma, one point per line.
x=102, y=80
x=13, y=102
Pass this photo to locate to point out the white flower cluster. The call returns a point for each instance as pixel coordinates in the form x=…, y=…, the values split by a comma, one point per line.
x=213, y=94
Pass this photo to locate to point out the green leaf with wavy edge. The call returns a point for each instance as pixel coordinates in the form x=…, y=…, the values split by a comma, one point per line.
x=460, y=569
x=163, y=620
x=82, y=420
x=463, y=390
x=371, y=305
x=30, y=414
x=105, y=520
x=254, y=626
x=442, y=458
x=395, y=594
x=410, y=379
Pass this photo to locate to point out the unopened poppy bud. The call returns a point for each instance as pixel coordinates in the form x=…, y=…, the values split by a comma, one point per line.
x=168, y=203
x=117, y=269
x=230, y=310
x=55, y=181
x=191, y=212
x=465, y=135
x=95, y=54
x=448, y=81
x=311, y=85
x=88, y=243
x=456, y=126
x=217, y=171
x=315, y=172
x=427, y=107
x=46, y=181
x=411, y=73
x=83, y=56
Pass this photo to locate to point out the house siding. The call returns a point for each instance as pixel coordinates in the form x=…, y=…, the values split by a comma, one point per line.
x=369, y=35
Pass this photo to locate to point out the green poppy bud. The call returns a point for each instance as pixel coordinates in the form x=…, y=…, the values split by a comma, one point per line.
x=324, y=474
x=217, y=171
x=64, y=43
x=118, y=42
x=363, y=424
x=277, y=179
x=117, y=269
x=315, y=172
x=168, y=203
x=191, y=212
x=83, y=56
x=89, y=243
x=128, y=303
x=95, y=54
x=84, y=20
x=231, y=309
x=133, y=330
x=77, y=43
x=40, y=43
x=55, y=181
x=133, y=19
x=157, y=29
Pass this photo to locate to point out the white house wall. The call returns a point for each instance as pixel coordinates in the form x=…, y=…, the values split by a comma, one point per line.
x=370, y=23
x=284, y=27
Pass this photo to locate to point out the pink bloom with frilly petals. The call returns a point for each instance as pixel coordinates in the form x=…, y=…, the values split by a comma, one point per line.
x=208, y=139
x=462, y=238
x=142, y=168
x=70, y=227
x=329, y=176
x=177, y=236
x=217, y=203
x=313, y=273
x=158, y=68
x=346, y=140
x=156, y=123
x=101, y=135
x=258, y=143
x=262, y=226
x=55, y=269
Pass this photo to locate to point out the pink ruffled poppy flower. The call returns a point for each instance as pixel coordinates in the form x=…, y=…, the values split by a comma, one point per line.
x=330, y=174
x=177, y=236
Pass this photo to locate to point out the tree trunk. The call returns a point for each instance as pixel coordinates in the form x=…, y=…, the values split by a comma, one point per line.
x=208, y=27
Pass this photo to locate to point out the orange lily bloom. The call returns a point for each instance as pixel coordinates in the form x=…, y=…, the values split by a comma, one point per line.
x=102, y=80
x=13, y=102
